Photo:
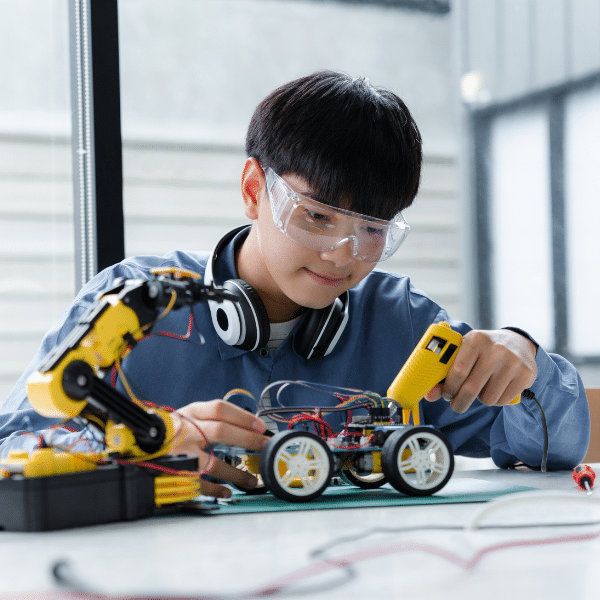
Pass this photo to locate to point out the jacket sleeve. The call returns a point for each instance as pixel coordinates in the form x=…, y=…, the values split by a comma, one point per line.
x=517, y=432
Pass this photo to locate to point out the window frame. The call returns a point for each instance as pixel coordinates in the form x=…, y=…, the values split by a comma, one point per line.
x=553, y=100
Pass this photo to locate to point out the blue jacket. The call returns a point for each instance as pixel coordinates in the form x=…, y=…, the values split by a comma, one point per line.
x=387, y=319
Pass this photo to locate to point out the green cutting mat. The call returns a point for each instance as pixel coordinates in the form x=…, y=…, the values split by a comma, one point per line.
x=345, y=496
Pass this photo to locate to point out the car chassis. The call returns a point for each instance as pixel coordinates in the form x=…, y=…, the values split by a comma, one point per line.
x=297, y=465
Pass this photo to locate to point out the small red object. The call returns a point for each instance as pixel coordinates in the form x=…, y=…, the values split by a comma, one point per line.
x=584, y=477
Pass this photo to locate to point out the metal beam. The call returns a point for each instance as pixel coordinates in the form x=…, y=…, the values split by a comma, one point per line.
x=96, y=133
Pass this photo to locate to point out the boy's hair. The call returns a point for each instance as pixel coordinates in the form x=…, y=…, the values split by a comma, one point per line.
x=357, y=145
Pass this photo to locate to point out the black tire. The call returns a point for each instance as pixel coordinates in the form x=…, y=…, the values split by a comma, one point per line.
x=418, y=461
x=296, y=466
x=366, y=482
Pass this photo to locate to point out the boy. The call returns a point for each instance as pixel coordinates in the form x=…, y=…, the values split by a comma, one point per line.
x=332, y=162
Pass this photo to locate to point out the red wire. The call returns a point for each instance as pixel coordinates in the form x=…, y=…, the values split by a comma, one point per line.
x=325, y=429
x=351, y=447
x=326, y=565
x=160, y=468
x=188, y=333
x=352, y=558
x=210, y=453
x=175, y=335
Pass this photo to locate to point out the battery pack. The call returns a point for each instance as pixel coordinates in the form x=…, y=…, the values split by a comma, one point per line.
x=110, y=493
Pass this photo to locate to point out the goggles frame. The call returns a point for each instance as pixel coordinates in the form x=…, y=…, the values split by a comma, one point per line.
x=311, y=224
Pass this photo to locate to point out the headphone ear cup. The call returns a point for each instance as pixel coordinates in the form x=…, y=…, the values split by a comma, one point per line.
x=226, y=320
x=244, y=324
x=321, y=329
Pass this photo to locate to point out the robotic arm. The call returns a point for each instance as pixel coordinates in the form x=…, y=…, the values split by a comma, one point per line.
x=51, y=488
x=71, y=383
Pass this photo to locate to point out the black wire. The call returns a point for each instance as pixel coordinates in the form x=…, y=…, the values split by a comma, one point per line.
x=60, y=572
x=65, y=576
x=317, y=553
x=529, y=395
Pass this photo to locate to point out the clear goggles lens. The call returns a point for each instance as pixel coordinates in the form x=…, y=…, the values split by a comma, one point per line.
x=322, y=227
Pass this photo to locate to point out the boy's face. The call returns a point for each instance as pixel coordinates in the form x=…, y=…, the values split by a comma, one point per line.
x=284, y=271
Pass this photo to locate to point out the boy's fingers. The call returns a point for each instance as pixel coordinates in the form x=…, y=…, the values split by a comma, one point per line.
x=491, y=366
x=434, y=393
x=210, y=488
x=221, y=470
x=217, y=422
x=231, y=435
x=219, y=410
x=461, y=370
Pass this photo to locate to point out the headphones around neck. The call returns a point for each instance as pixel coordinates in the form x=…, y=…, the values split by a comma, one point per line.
x=245, y=324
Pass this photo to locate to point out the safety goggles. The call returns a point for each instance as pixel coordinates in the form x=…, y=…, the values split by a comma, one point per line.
x=322, y=227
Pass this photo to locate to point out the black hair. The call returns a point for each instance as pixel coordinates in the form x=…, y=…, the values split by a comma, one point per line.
x=357, y=145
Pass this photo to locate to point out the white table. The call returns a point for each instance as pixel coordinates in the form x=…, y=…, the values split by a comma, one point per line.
x=231, y=555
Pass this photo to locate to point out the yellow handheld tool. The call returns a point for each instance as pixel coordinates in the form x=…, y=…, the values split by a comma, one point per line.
x=427, y=366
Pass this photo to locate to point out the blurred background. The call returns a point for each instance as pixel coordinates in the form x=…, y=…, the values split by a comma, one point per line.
x=506, y=94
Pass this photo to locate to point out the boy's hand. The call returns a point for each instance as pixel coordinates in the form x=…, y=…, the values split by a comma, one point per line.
x=494, y=366
x=202, y=423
